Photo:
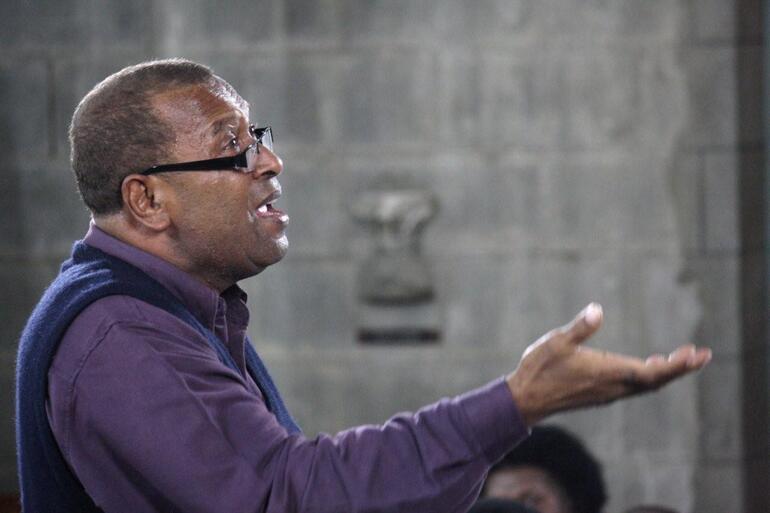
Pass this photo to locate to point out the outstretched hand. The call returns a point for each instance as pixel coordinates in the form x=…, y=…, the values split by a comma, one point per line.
x=557, y=373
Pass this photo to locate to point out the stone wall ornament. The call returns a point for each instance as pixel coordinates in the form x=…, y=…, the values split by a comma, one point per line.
x=395, y=272
x=397, y=299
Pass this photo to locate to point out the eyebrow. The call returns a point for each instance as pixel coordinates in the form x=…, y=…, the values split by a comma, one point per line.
x=217, y=126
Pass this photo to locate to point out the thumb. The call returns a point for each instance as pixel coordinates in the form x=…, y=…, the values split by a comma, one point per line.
x=585, y=324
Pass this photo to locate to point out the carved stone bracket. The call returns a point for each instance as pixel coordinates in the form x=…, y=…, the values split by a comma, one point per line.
x=395, y=285
x=395, y=272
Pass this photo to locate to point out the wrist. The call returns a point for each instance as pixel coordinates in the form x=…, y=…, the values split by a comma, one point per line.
x=530, y=411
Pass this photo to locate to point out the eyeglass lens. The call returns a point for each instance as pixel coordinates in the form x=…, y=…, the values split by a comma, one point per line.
x=264, y=138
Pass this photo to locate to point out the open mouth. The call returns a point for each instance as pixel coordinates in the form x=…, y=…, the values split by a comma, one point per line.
x=267, y=209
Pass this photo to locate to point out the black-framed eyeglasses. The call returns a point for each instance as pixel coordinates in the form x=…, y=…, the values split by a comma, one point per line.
x=243, y=162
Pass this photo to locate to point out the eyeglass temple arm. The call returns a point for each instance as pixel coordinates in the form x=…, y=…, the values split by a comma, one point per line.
x=198, y=165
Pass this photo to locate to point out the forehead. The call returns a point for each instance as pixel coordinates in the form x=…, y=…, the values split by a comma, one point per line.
x=524, y=476
x=199, y=107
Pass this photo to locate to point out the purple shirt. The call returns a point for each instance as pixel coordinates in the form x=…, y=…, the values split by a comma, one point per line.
x=149, y=419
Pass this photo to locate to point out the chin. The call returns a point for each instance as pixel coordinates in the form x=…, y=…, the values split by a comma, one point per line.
x=280, y=249
x=267, y=258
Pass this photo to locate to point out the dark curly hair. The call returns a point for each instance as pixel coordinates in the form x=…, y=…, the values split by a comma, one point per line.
x=566, y=460
x=493, y=505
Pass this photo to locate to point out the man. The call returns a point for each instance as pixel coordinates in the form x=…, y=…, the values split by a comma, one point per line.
x=137, y=390
x=552, y=472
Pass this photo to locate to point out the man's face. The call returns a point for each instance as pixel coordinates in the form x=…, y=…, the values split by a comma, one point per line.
x=223, y=222
x=530, y=486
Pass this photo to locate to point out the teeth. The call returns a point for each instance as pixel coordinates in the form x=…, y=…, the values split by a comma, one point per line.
x=262, y=209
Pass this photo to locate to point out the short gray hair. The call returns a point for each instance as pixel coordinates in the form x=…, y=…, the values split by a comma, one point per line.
x=116, y=132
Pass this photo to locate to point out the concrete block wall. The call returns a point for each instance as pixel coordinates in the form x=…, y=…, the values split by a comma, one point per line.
x=724, y=155
x=585, y=150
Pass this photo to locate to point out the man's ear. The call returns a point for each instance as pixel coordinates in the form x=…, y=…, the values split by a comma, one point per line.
x=146, y=200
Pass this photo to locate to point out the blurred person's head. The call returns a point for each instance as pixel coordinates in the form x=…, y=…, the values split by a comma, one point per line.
x=491, y=505
x=552, y=472
x=650, y=508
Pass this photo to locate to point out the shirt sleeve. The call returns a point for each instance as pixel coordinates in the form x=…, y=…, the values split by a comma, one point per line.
x=155, y=423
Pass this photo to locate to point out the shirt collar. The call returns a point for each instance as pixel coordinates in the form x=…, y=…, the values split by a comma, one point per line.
x=202, y=301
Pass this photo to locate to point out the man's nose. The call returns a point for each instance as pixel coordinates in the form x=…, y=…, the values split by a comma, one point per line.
x=268, y=164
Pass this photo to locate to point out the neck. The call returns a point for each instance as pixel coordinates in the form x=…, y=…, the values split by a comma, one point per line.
x=158, y=244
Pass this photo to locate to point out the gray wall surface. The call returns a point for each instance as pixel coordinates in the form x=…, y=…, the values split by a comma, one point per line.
x=580, y=150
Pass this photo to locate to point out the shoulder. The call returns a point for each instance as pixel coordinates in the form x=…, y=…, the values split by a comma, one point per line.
x=116, y=324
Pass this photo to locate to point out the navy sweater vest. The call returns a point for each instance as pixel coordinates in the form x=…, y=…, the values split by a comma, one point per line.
x=47, y=484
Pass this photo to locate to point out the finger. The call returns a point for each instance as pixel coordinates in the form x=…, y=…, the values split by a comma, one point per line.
x=693, y=358
x=657, y=371
x=655, y=358
x=700, y=359
x=585, y=324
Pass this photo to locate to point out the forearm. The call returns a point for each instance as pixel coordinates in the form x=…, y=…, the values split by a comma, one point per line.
x=172, y=431
x=434, y=460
